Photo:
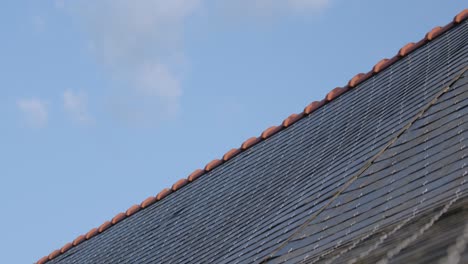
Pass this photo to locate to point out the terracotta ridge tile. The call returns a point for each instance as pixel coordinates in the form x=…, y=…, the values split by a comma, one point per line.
x=293, y=118
x=91, y=233
x=461, y=16
x=195, y=174
x=78, y=240
x=148, y=201
x=270, y=131
x=250, y=142
x=309, y=109
x=179, y=184
x=213, y=164
x=356, y=80
x=54, y=254
x=231, y=154
x=335, y=93
x=133, y=209
x=104, y=226
x=434, y=33
x=119, y=217
x=384, y=63
x=290, y=120
x=43, y=260
x=162, y=194
x=66, y=247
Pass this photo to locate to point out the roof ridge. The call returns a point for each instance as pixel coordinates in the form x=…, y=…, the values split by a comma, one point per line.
x=267, y=133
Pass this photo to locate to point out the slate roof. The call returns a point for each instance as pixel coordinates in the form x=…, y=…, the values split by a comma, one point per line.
x=374, y=173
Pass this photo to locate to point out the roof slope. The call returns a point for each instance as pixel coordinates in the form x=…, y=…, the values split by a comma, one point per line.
x=382, y=156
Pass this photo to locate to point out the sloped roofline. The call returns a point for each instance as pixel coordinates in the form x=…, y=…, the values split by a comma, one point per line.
x=267, y=133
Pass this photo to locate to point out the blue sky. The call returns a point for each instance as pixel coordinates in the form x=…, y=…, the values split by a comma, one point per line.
x=104, y=103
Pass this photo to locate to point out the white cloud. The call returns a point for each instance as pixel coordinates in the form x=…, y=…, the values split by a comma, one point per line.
x=75, y=105
x=140, y=44
x=34, y=110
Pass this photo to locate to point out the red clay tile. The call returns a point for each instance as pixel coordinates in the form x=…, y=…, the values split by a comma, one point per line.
x=162, y=194
x=250, y=142
x=54, y=254
x=66, y=247
x=356, y=80
x=119, y=217
x=104, y=226
x=231, y=154
x=79, y=239
x=313, y=106
x=148, y=201
x=271, y=131
x=43, y=260
x=383, y=64
x=379, y=66
x=333, y=94
x=133, y=209
x=195, y=174
x=406, y=49
x=290, y=120
x=91, y=233
x=435, y=32
x=179, y=184
x=461, y=16
x=213, y=164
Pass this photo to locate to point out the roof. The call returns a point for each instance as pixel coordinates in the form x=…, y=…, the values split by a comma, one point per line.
x=363, y=175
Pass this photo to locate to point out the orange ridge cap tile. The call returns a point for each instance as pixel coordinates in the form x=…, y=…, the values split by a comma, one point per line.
x=271, y=131
x=162, y=194
x=250, y=142
x=78, y=240
x=290, y=120
x=410, y=47
x=461, y=16
x=379, y=66
x=179, y=184
x=148, y=201
x=91, y=233
x=66, y=247
x=231, y=154
x=435, y=32
x=133, y=209
x=119, y=217
x=195, y=174
x=43, y=260
x=104, y=226
x=309, y=109
x=406, y=49
x=54, y=254
x=358, y=78
x=213, y=164
x=333, y=94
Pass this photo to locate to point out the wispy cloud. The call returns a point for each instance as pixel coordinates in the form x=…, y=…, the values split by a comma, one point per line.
x=140, y=44
x=34, y=111
x=75, y=104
